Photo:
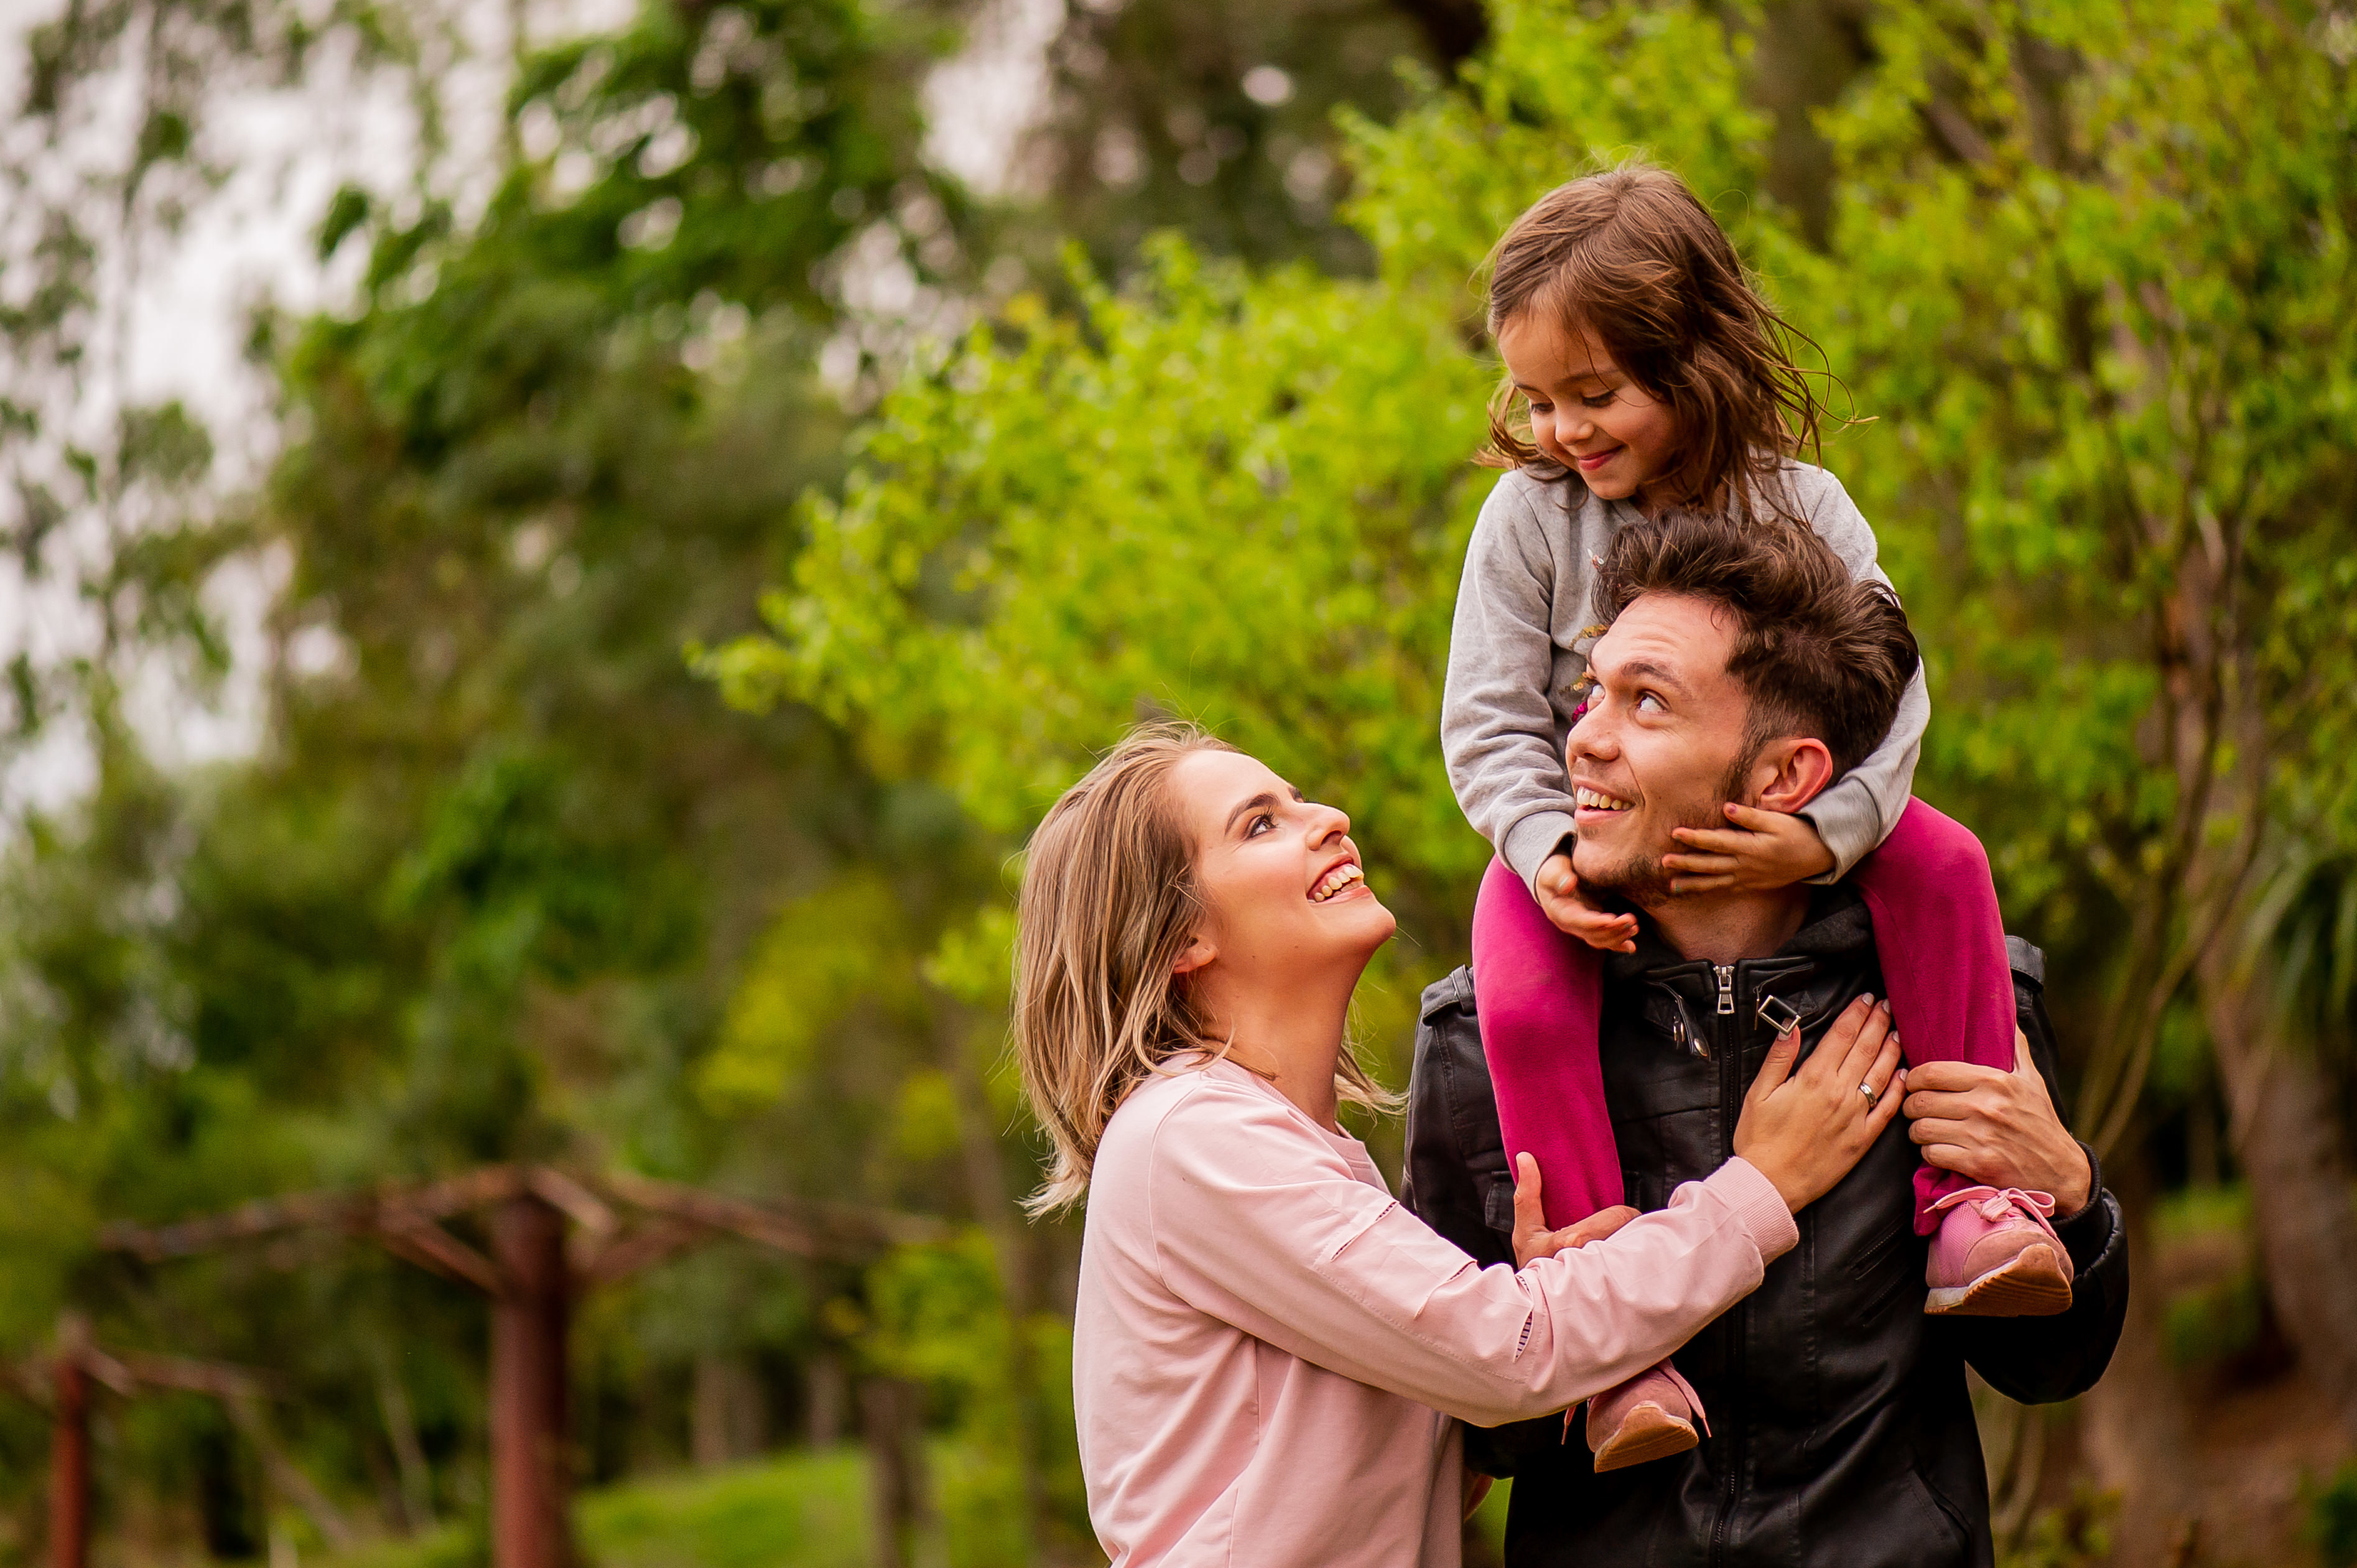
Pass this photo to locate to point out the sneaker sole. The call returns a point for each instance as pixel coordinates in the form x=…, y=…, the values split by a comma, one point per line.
x=1647, y=1433
x=2032, y=1285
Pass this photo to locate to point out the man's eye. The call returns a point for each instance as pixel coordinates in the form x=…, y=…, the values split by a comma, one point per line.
x=1650, y=703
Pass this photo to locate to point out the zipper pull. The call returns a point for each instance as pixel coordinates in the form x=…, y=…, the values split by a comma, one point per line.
x=1686, y=1039
x=1726, y=990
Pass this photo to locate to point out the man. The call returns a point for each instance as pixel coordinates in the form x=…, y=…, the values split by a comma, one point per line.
x=1840, y=1429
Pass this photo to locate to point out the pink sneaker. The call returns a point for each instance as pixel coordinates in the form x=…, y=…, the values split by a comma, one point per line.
x=1651, y=1416
x=1996, y=1256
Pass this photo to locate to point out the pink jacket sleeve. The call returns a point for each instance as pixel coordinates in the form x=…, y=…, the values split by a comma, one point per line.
x=1260, y=1223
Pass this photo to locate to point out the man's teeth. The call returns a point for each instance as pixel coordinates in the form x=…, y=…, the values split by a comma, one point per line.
x=1334, y=881
x=1595, y=799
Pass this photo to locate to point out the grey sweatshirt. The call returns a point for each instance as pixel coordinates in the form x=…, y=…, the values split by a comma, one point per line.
x=1517, y=654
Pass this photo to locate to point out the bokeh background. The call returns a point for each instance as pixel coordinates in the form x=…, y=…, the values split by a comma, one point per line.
x=553, y=551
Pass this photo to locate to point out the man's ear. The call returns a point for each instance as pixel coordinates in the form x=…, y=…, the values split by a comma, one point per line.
x=1792, y=773
x=1199, y=952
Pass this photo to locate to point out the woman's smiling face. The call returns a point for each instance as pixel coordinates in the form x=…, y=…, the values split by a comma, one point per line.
x=1586, y=413
x=1282, y=887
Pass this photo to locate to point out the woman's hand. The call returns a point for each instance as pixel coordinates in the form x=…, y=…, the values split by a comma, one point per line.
x=1532, y=1237
x=1558, y=896
x=1764, y=849
x=1805, y=1129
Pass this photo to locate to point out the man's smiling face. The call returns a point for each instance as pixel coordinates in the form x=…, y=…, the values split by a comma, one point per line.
x=1663, y=745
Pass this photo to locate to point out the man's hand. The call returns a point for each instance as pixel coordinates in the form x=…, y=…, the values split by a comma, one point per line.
x=1559, y=899
x=1805, y=1129
x=1532, y=1237
x=1764, y=849
x=1998, y=1128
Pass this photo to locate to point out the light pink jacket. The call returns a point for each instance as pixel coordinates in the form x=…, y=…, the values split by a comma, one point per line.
x=1268, y=1349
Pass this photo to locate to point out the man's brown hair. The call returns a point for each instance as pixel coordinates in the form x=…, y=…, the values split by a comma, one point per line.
x=1631, y=254
x=1819, y=653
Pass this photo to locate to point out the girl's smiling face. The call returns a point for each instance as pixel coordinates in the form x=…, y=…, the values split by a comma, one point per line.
x=1586, y=412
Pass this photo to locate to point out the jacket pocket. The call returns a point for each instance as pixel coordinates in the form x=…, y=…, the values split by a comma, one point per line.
x=1948, y=1511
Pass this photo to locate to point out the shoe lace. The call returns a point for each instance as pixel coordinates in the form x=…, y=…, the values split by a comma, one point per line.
x=1995, y=1203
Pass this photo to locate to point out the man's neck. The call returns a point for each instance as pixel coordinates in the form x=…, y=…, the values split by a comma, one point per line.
x=1727, y=928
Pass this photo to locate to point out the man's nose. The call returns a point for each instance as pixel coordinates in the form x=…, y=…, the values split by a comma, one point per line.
x=1594, y=736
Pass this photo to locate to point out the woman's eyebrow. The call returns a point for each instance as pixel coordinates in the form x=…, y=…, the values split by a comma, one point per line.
x=1260, y=802
x=1265, y=800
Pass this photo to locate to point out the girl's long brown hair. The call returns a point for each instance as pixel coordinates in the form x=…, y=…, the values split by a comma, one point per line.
x=1632, y=255
x=1110, y=902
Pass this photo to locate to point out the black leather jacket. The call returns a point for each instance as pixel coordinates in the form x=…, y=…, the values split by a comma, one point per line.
x=1841, y=1432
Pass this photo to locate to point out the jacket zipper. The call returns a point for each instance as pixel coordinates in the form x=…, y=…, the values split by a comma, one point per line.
x=1731, y=1103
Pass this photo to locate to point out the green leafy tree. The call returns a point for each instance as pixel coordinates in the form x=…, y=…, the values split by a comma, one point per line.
x=2085, y=274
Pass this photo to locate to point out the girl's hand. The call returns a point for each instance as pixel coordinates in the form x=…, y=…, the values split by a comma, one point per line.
x=1560, y=901
x=1805, y=1129
x=1533, y=1240
x=1764, y=849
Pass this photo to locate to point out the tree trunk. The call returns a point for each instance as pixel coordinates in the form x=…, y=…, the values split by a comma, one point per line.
x=725, y=1420
x=408, y=1454
x=828, y=1392
x=890, y=1417
x=1806, y=53
x=70, y=1458
x=995, y=1206
x=2285, y=1139
x=2138, y=1440
x=531, y=1459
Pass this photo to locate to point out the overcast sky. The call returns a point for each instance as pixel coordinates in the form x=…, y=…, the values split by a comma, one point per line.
x=184, y=307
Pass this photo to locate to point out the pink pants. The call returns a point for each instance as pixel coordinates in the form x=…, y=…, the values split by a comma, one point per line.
x=1539, y=994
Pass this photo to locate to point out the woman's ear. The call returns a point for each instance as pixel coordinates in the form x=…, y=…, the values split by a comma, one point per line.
x=1198, y=954
x=1803, y=769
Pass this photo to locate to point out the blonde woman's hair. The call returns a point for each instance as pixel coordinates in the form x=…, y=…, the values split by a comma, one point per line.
x=1110, y=902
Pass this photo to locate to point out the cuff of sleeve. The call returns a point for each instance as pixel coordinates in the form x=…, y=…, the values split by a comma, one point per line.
x=2085, y=1234
x=1528, y=843
x=1851, y=830
x=1757, y=1203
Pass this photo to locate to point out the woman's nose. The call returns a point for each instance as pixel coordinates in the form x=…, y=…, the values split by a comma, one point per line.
x=1328, y=822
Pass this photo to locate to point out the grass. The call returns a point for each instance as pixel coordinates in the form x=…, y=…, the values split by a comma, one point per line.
x=798, y=1511
x=806, y=1511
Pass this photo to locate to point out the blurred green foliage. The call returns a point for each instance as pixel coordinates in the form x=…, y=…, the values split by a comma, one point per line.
x=2331, y=1523
x=1241, y=496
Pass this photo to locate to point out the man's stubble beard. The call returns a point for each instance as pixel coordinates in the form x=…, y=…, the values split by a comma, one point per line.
x=1641, y=879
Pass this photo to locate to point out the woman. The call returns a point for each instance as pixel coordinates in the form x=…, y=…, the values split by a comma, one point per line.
x=1267, y=1348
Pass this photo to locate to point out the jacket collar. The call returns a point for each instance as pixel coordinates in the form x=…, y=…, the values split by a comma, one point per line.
x=1837, y=925
x=1679, y=997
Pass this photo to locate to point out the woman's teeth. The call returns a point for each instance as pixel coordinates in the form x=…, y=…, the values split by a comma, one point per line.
x=1596, y=801
x=1334, y=881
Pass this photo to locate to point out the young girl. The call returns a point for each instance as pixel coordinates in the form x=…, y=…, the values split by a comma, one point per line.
x=1266, y=1348
x=1655, y=378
